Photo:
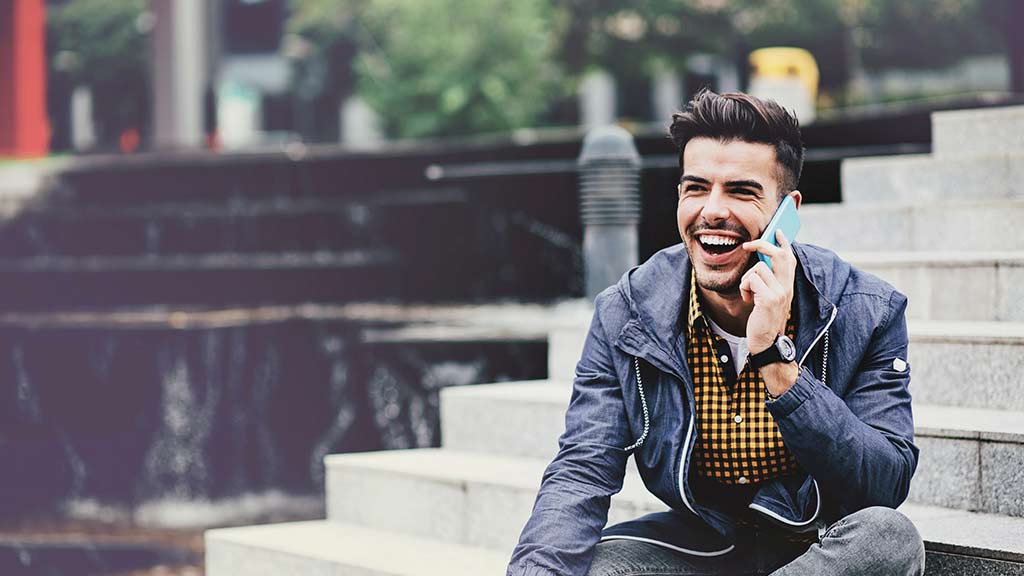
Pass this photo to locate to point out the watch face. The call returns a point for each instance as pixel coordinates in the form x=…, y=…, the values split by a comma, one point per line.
x=786, y=348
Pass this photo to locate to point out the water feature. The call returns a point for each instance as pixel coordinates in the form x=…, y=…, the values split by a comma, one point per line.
x=149, y=418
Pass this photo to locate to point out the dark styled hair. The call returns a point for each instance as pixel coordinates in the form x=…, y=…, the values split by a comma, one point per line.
x=738, y=116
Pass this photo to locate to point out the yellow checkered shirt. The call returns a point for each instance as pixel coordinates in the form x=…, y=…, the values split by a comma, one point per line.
x=738, y=441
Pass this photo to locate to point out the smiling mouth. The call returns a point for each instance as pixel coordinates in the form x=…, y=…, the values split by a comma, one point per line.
x=718, y=245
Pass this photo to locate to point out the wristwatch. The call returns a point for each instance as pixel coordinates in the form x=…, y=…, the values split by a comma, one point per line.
x=782, y=350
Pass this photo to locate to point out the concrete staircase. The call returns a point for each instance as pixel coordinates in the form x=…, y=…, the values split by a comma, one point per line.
x=944, y=228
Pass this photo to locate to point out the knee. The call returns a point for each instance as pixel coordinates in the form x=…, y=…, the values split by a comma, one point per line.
x=610, y=558
x=894, y=536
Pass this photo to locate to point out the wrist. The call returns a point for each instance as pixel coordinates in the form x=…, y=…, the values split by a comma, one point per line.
x=779, y=377
x=758, y=346
x=758, y=343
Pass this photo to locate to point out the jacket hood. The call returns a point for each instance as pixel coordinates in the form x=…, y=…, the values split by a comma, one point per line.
x=657, y=291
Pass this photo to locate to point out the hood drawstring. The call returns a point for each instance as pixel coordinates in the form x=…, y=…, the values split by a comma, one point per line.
x=824, y=359
x=643, y=403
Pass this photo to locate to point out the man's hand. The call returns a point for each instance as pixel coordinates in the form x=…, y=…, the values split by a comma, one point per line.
x=771, y=291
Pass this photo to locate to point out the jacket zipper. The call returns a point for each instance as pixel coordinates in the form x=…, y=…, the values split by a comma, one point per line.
x=817, y=490
x=680, y=485
x=690, y=425
x=824, y=332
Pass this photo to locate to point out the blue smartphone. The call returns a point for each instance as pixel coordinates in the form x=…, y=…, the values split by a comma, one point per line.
x=785, y=219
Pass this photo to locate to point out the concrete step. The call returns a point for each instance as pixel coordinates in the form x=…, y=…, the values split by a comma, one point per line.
x=23, y=182
x=972, y=458
x=282, y=224
x=483, y=501
x=333, y=548
x=925, y=178
x=952, y=285
x=946, y=360
x=181, y=228
x=960, y=133
x=518, y=419
x=567, y=330
x=991, y=225
x=944, y=355
x=957, y=543
x=209, y=279
x=467, y=498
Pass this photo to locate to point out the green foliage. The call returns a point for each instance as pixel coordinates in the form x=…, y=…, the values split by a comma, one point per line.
x=97, y=42
x=445, y=67
x=627, y=38
x=103, y=45
x=323, y=24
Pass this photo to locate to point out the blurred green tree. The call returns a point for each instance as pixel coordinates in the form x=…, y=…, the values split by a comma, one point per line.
x=103, y=45
x=843, y=35
x=437, y=67
x=446, y=67
x=443, y=67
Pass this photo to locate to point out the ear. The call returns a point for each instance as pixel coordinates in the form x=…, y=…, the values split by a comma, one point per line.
x=797, y=198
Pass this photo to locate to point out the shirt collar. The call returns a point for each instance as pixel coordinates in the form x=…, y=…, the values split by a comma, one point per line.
x=694, y=310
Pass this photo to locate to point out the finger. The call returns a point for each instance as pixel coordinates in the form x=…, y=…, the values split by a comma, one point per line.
x=767, y=277
x=746, y=293
x=779, y=256
x=763, y=246
x=785, y=263
x=757, y=285
x=784, y=242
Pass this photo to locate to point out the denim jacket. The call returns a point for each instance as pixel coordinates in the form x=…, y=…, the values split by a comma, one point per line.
x=847, y=419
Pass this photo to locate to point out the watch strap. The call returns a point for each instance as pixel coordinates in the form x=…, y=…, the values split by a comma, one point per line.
x=773, y=353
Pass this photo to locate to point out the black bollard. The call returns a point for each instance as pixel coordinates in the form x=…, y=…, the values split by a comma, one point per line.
x=609, y=167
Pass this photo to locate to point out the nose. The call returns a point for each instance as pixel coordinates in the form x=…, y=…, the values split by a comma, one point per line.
x=716, y=208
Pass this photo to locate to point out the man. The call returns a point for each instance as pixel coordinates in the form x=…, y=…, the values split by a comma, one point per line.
x=767, y=407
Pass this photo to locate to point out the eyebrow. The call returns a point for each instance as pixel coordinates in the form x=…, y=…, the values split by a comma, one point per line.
x=729, y=184
x=744, y=183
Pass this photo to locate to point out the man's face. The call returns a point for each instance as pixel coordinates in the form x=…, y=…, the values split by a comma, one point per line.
x=727, y=195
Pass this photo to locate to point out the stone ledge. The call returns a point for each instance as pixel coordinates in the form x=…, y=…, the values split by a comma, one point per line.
x=962, y=286
x=969, y=424
x=925, y=178
x=966, y=332
x=968, y=533
x=978, y=131
x=321, y=547
x=942, y=225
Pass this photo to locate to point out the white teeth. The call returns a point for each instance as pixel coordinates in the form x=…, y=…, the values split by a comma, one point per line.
x=718, y=240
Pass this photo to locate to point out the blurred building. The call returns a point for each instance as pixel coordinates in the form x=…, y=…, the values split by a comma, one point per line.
x=226, y=73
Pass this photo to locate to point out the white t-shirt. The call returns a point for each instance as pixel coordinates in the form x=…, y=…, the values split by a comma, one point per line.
x=737, y=345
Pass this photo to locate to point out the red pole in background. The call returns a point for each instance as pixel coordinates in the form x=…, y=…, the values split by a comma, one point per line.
x=24, y=128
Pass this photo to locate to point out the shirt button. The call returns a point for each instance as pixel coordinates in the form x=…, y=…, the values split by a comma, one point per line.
x=724, y=358
x=743, y=480
x=738, y=419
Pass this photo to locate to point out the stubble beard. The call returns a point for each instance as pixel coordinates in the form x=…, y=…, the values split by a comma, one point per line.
x=728, y=286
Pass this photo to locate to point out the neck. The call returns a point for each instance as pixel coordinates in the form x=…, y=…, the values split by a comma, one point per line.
x=727, y=310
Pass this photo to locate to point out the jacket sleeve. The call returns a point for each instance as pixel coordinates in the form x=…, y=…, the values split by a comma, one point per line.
x=859, y=447
x=572, y=505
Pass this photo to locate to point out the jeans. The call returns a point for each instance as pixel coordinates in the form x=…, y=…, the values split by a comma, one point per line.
x=876, y=541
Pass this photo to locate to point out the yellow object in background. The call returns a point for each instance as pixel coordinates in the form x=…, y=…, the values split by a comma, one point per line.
x=787, y=75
